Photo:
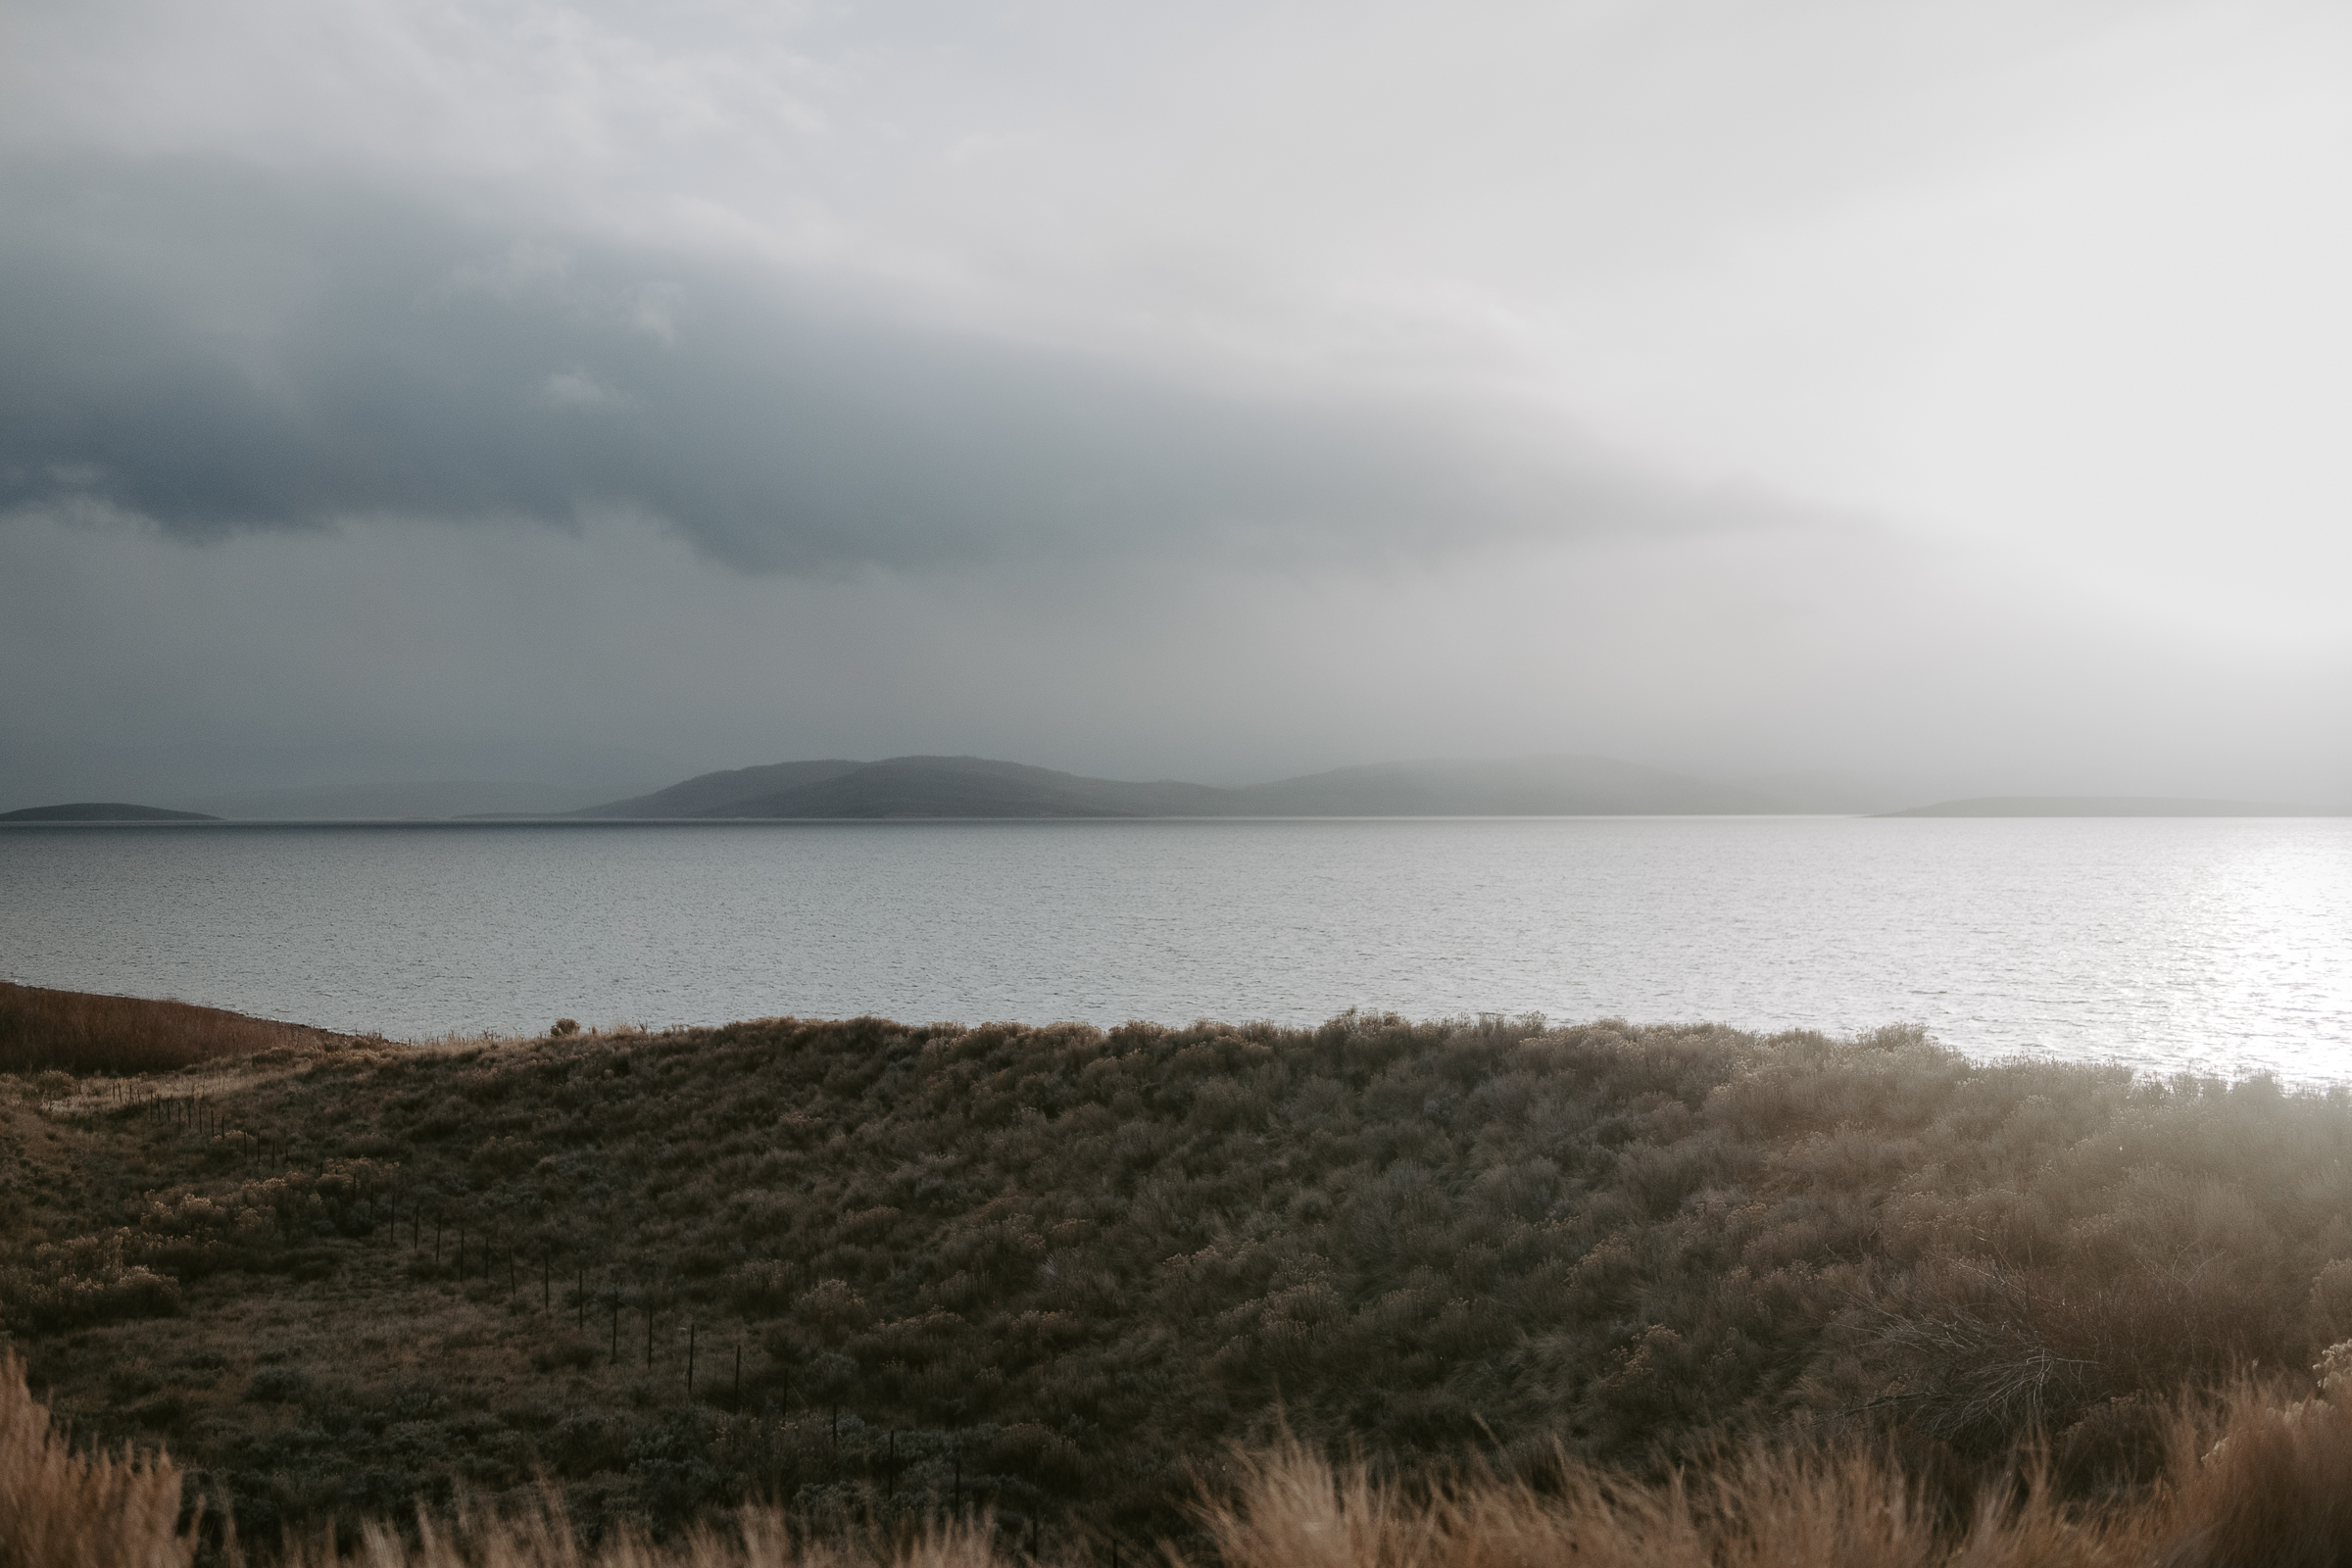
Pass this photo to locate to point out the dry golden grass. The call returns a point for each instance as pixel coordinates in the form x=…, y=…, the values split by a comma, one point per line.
x=2249, y=1483
x=59, y=1510
x=2277, y=1488
x=762, y=1537
x=77, y=1032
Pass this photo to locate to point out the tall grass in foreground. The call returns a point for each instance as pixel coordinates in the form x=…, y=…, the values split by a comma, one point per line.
x=2247, y=1481
x=76, y=1032
x=59, y=1510
x=2246, y=1485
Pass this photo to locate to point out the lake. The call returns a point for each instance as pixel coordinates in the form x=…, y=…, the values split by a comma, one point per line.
x=2210, y=944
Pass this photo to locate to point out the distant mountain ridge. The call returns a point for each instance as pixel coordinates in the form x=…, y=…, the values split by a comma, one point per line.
x=925, y=787
x=707, y=793
x=918, y=787
x=2105, y=806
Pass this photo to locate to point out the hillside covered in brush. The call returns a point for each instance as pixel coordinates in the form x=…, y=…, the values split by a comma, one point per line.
x=1055, y=1270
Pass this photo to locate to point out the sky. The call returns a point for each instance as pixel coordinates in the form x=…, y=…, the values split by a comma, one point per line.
x=1946, y=396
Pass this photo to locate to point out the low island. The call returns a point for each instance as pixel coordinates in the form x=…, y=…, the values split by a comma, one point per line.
x=102, y=812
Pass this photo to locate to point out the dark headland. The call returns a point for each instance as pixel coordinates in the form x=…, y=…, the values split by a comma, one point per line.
x=915, y=787
x=102, y=812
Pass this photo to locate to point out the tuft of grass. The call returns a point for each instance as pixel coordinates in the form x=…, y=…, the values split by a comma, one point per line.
x=60, y=1509
x=2275, y=1489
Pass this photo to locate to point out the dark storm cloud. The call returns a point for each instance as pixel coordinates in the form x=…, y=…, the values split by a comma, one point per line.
x=220, y=350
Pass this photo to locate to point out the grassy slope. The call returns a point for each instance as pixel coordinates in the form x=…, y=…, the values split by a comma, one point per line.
x=1053, y=1269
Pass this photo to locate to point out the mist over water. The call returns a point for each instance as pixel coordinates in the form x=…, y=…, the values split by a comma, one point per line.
x=2165, y=944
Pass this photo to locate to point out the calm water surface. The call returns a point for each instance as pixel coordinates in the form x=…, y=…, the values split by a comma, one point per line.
x=2214, y=943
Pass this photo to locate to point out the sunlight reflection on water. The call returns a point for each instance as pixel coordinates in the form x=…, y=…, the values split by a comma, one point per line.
x=2208, y=943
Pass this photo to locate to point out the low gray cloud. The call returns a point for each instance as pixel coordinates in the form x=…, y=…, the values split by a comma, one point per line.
x=601, y=394
x=219, y=349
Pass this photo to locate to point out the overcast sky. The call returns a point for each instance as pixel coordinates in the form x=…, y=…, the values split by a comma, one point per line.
x=1952, y=394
